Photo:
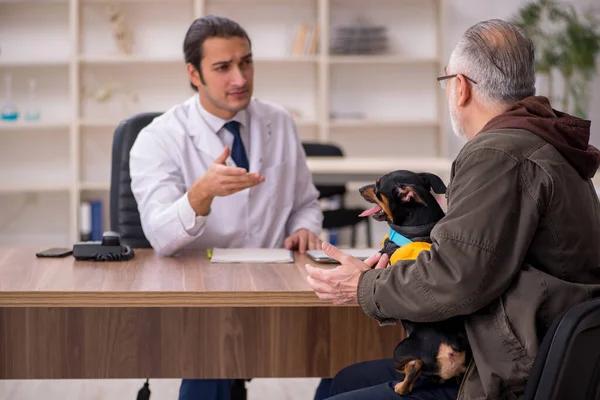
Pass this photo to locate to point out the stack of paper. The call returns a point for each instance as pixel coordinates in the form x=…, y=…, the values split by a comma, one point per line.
x=279, y=256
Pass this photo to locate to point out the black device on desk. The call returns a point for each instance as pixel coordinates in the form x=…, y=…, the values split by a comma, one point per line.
x=109, y=249
x=54, y=252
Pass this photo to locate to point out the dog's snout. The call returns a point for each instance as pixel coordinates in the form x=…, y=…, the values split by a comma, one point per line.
x=363, y=188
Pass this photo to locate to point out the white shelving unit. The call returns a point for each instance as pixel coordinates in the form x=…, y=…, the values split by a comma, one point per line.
x=48, y=167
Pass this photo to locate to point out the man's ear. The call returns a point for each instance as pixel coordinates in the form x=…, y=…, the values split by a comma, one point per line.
x=408, y=194
x=434, y=181
x=463, y=91
x=193, y=75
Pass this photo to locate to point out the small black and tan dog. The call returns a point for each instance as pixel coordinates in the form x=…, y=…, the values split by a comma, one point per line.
x=437, y=350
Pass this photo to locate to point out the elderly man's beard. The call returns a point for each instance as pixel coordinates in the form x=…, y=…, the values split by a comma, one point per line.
x=457, y=127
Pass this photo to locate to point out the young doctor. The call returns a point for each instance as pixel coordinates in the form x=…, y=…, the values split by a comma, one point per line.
x=223, y=169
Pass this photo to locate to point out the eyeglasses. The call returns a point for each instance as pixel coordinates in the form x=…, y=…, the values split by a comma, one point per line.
x=442, y=79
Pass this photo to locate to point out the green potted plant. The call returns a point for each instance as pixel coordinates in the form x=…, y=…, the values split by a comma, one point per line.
x=565, y=42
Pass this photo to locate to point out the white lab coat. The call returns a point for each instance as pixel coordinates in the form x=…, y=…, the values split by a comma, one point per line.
x=179, y=146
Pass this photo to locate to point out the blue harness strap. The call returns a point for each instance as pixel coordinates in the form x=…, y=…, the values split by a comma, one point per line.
x=398, y=239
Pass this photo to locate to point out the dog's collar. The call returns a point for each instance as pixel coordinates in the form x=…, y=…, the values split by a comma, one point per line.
x=398, y=239
x=412, y=231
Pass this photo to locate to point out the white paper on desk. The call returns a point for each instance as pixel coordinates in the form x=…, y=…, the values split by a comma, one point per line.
x=251, y=255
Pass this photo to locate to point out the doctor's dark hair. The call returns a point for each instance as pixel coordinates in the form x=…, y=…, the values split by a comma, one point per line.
x=207, y=27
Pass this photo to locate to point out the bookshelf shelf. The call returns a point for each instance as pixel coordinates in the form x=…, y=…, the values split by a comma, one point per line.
x=133, y=1
x=381, y=60
x=287, y=59
x=35, y=187
x=349, y=123
x=99, y=123
x=32, y=2
x=86, y=87
x=130, y=59
x=20, y=126
x=95, y=186
x=25, y=62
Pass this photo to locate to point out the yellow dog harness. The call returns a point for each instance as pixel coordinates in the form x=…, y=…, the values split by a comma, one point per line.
x=408, y=250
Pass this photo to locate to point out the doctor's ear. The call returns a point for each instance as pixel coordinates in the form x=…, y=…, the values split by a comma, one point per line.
x=193, y=75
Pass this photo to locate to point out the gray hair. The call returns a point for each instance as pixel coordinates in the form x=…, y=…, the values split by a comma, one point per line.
x=499, y=56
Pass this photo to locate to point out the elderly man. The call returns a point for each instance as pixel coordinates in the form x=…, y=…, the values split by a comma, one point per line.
x=519, y=243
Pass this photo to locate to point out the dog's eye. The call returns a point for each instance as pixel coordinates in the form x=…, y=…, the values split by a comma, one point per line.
x=377, y=194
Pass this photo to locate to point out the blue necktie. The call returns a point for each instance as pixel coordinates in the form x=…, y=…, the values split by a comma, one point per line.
x=238, y=153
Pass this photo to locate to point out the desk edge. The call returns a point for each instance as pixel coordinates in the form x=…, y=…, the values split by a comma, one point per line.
x=160, y=299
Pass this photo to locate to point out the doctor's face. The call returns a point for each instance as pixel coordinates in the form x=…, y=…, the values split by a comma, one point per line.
x=228, y=75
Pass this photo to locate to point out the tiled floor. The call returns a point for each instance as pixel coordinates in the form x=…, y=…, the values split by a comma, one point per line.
x=126, y=389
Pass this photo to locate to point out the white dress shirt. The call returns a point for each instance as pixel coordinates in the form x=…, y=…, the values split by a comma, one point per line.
x=179, y=146
x=216, y=125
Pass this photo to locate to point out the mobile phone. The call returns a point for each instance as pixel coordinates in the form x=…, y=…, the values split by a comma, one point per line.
x=55, y=252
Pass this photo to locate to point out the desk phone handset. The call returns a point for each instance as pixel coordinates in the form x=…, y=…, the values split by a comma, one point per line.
x=109, y=249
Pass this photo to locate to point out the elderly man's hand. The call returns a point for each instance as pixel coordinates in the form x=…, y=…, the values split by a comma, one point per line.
x=340, y=284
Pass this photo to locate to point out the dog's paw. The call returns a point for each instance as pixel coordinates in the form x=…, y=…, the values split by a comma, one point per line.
x=402, y=388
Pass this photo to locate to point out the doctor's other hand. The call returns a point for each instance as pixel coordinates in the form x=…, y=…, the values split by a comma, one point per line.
x=340, y=285
x=302, y=240
x=220, y=180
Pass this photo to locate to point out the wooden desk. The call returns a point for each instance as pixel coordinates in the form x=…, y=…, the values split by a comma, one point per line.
x=173, y=318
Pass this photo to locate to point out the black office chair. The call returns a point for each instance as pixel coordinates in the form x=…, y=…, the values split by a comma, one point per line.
x=568, y=363
x=124, y=214
x=342, y=217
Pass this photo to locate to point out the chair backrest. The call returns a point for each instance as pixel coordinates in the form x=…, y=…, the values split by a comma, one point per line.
x=568, y=363
x=325, y=150
x=124, y=214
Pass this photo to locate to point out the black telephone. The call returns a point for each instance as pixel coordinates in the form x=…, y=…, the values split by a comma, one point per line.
x=109, y=249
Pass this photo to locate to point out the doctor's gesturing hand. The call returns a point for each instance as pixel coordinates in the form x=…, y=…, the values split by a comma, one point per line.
x=220, y=180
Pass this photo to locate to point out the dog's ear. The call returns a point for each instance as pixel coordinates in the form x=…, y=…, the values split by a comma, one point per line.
x=435, y=182
x=408, y=194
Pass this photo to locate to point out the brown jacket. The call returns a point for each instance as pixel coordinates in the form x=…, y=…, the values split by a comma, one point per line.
x=519, y=245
